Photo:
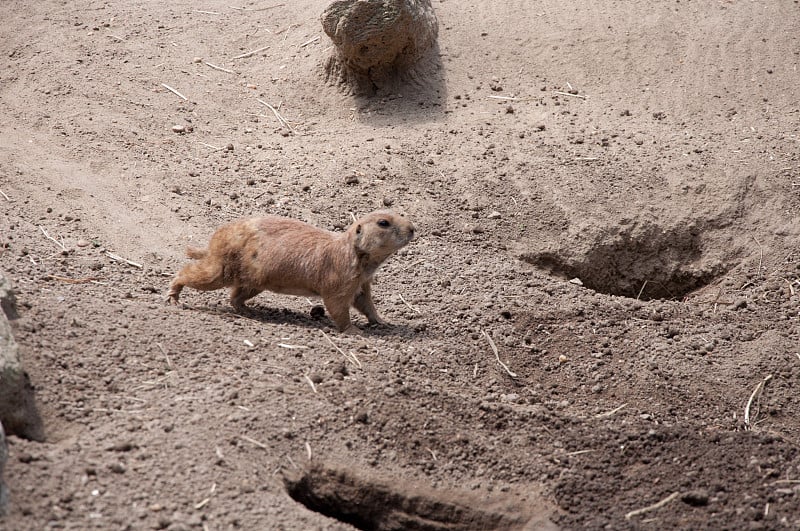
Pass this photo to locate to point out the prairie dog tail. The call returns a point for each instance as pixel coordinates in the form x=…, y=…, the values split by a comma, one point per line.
x=196, y=253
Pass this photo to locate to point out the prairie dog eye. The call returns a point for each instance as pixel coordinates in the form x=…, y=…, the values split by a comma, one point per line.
x=383, y=223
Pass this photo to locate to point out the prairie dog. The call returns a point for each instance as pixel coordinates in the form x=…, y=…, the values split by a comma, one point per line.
x=289, y=256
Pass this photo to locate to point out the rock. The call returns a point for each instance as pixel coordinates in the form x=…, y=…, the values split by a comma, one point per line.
x=178, y=128
x=8, y=301
x=18, y=412
x=376, y=38
x=3, y=459
x=695, y=498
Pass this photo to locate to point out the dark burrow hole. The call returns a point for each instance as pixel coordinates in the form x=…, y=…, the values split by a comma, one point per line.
x=654, y=265
x=382, y=506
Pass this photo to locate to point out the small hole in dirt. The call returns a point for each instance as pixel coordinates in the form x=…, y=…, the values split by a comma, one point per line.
x=382, y=506
x=642, y=262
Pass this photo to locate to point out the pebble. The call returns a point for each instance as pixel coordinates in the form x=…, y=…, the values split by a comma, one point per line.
x=351, y=179
x=388, y=201
x=177, y=128
x=495, y=215
x=695, y=498
x=83, y=243
x=562, y=359
x=197, y=60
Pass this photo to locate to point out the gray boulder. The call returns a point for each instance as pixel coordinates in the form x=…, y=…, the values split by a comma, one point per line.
x=3, y=458
x=18, y=412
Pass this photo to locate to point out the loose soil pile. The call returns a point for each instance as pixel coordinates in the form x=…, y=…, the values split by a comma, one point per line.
x=647, y=149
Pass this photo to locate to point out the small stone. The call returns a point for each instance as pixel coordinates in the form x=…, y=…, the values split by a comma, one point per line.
x=197, y=60
x=495, y=215
x=695, y=498
x=351, y=179
x=562, y=359
x=229, y=147
x=388, y=201
x=576, y=281
x=389, y=391
x=638, y=140
x=117, y=468
x=83, y=243
x=177, y=128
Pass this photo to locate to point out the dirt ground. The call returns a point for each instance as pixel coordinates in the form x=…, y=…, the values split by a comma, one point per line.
x=606, y=192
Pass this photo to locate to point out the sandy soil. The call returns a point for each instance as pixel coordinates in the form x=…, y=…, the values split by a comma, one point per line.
x=647, y=148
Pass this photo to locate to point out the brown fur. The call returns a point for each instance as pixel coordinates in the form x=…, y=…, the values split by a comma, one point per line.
x=288, y=256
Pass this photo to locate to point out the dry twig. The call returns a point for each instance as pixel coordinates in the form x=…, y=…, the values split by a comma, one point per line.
x=569, y=94
x=118, y=258
x=52, y=239
x=759, y=387
x=277, y=115
x=315, y=39
x=85, y=280
x=609, y=413
x=497, y=354
x=407, y=304
x=291, y=347
x=653, y=507
x=202, y=504
x=253, y=442
x=251, y=52
x=760, y=256
x=181, y=96
x=351, y=357
x=4, y=195
x=310, y=382
x=215, y=67
x=166, y=356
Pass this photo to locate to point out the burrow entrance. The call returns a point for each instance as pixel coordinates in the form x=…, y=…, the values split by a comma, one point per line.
x=382, y=506
x=642, y=261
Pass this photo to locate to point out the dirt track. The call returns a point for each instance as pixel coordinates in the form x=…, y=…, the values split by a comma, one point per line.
x=649, y=149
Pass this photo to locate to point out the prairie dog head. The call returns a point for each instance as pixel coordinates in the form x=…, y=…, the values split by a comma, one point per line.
x=379, y=234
